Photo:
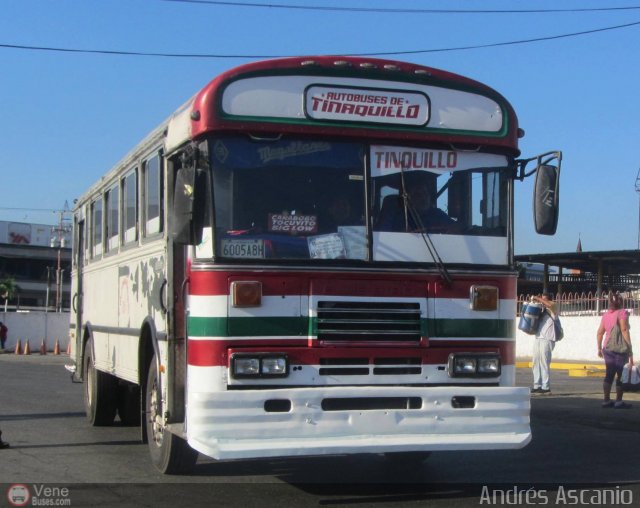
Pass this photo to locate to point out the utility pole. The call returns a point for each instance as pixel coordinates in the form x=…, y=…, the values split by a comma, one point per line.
x=58, y=240
x=638, y=192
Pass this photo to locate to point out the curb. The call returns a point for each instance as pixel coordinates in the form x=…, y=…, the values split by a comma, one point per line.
x=575, y=369
x=586, y=373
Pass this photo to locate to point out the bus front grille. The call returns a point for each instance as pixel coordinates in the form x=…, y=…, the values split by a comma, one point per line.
x=349, y=321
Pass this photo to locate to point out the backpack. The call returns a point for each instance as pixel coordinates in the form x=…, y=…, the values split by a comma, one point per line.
x=557, y=328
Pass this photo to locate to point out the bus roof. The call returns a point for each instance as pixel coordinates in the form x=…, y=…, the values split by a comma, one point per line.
x=385, y=100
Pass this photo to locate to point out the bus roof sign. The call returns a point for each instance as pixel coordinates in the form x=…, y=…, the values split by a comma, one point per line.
x=366, y=105
x=324, y=96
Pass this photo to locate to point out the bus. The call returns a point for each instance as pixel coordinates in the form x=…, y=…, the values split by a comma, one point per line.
x=311, y=256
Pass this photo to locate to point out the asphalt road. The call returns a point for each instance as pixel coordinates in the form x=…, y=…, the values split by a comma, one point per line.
x=578, y=449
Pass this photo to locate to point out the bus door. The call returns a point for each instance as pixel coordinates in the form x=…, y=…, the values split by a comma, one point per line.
x=77, y=297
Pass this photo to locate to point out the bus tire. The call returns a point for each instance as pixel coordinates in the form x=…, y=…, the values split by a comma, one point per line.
x=99, y=392
x=129, y=404
x=170, y=454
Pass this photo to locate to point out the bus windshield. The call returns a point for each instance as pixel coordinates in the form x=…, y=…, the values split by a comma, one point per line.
x=307, y=199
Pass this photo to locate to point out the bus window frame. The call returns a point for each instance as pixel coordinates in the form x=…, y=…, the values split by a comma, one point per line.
x=129, y=235
x=112, y=240
x=97, y=247
x=152, y=228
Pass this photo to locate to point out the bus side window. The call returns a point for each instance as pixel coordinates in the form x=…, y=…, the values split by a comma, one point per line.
x=111, y=210
x=96, y=228
x=152, y=196
x=130, y=207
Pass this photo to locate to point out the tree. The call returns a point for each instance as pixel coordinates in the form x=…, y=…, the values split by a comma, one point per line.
x=8, y=288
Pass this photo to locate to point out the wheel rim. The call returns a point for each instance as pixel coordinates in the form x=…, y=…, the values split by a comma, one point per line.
x=154, y=416
x=89, y=384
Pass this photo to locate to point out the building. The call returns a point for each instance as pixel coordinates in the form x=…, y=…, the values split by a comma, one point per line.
x=38, y=258
x=579, y=272
x=581, y=281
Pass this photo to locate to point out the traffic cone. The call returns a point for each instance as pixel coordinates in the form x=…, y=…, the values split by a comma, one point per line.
x=43, y=347
x=56, y=348
x=69, y=347
x=18, y=350
x=27, y=349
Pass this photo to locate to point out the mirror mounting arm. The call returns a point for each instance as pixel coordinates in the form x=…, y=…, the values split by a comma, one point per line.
x=541, y=160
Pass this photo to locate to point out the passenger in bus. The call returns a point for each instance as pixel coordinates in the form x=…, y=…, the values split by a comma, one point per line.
x=340, y=212
x=420, y=202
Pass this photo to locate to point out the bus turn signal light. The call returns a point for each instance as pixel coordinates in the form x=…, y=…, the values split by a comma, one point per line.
x=246, y=293
x=484, y=298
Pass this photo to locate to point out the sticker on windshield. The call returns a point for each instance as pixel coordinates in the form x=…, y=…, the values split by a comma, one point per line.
x=329, y=246
x=287, y=223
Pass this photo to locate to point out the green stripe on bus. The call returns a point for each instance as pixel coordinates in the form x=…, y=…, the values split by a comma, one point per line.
x=299, y=326
x=490, y=328
x=247, y=327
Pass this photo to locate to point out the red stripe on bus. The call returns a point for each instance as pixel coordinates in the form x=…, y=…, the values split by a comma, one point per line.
x=215, y=283
x=216, y=353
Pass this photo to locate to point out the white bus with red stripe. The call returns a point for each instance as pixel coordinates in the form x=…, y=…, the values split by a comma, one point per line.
x=312, y=256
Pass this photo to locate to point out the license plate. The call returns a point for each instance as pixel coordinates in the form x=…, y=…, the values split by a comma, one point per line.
x=242, y=248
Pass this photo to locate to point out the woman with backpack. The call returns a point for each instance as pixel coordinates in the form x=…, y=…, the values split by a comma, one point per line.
x=614, y=360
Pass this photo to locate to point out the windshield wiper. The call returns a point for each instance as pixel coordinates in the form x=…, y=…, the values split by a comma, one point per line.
x=410, y=209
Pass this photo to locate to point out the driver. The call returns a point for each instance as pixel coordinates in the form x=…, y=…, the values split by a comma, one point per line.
x=420, y=198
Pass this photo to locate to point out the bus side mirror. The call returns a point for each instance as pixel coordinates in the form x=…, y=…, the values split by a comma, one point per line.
x=187, y=216
x=546, y=206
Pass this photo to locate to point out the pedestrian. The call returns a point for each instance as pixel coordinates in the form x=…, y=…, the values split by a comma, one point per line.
x=3, y=335
x=3, y=444
x=614, y=361
x=543, y=344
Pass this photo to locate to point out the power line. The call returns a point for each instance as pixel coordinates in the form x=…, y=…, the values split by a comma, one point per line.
x=509, y=43
x=397, y=10
x=377, y=53
x=12, y=209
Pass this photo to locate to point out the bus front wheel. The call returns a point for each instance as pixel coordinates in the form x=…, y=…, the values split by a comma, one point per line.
x=170, y=454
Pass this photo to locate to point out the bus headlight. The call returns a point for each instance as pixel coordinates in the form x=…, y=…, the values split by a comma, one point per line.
x=474, y=365
x=489, y=366
x=273, y=366
x=246, y=365
x=462, y=366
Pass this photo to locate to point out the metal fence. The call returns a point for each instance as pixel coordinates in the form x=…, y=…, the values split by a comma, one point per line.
x=587, y=304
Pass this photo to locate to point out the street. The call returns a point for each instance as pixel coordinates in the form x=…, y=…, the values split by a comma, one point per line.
x=576, y=445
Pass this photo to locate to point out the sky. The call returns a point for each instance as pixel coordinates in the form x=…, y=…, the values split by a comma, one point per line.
x=66, y=117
